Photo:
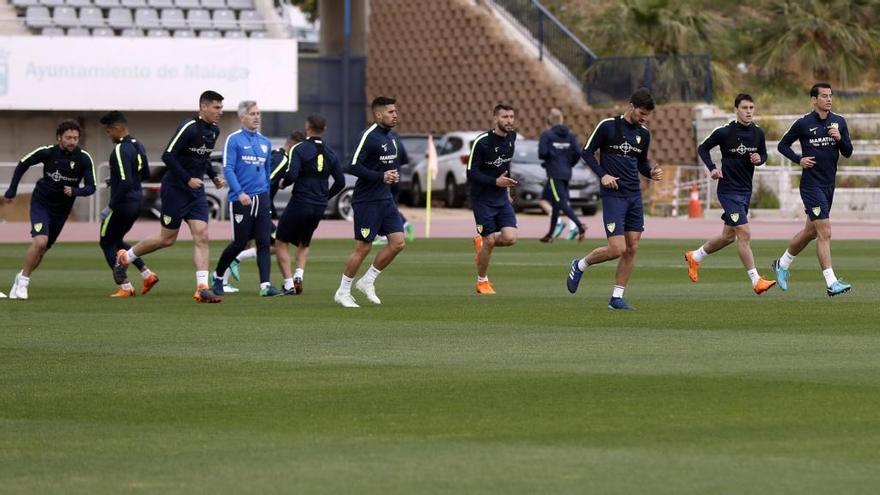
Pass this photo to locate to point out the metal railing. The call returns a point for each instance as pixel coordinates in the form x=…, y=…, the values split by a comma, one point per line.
x=609, y=79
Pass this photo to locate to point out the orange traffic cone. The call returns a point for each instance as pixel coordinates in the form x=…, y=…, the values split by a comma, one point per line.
x=695, y=208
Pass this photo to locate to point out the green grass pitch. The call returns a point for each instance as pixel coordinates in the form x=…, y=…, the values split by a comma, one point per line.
x=706, y=388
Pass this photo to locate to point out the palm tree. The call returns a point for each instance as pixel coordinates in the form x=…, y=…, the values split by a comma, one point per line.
x=818, y=39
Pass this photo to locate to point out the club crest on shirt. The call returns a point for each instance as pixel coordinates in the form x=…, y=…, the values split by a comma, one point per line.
x=238, y=218
x=638, y=139
x=817, y=210
x=734, y=217
x=166, y=219
x=38, y=227
x=834, y=125
x=264, y=148
x=479, y=228
x=611, y=226
x=72, y=164
x=365, y=233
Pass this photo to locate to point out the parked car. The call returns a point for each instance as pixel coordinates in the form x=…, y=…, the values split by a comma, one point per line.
x=416, y=146
x=453, y=150
x=583, y=188
x=339, y=206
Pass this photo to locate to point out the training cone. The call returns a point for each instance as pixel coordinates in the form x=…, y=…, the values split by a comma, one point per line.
x=695, y=208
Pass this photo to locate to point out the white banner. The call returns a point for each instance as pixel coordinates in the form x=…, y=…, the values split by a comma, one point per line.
x=167, y=74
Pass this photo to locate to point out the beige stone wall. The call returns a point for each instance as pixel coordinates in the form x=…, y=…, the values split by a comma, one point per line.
x=448, y=62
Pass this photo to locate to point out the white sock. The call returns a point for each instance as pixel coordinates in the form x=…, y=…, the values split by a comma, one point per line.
x=482, y=278
x=572, y=225
x=370, y=276
x=830, y=278
x=560, y=222
x=753, y=276
x=22, y=280
x=247, y=254
x=265, y=285
x=288, y=283
x=226, y=275
x=786, y=260
x=299, y=273
x=126, y=286
x=146, y=273
x=699, y=254
x=617, y=292
x=202, y=278
x=132, y=256
x=582, y=264
x=345, y=285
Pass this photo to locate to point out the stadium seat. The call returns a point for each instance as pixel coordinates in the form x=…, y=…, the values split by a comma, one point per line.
x=158, y=33
x=172, y=19
x=120, y=18
x=38, y=17
x=213, y=4
x=224, y=20
x=184, y=33
x=187, y=4
x=91, y=17
x=258, y=34
x=160, y=4
x=65, y=17
x=146, y=18
x=133, y=4
x=80, y=3
x=209, y=33
x=234, y=34
x=240, y=4
x=133, y=33
x=25, y=3
x=78, y=31
x=52, y=31
x=103, y=32
x=251, y=20
x=199, y=19
x=106, y=4
x=52, y=3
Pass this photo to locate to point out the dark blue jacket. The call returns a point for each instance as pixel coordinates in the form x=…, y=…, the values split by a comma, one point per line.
x=559, y=151
x=812, y=132
x=312, y=163
x=188, y=154
x=490, y=158
x=378, y=150
x=624, y=153
x=60, y=168
x=737, y=143
x=128, y=167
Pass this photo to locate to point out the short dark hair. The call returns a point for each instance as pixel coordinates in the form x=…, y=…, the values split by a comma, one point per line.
x=502, y=106
x=297, y=136
x=209, y=96
x=740, y=97
x=814, y=91
x=642, y=99
x=381, y=101
x=113, y=118
x=316, y=122
x=67, y=125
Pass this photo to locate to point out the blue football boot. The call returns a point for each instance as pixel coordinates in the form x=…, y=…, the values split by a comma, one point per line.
x=574, y=276
x=618, y=303
x=781, y=274
x=838, y=287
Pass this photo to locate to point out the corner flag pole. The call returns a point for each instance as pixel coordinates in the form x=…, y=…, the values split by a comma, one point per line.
x=432, y=172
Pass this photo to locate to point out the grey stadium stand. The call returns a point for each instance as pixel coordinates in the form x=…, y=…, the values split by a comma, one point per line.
x=52, y=3
x=25, y=3
x=65, y=17
x=224, y=20
x=258, y=34
x=80, y=3
x=209, y=33
x=106, y=4
x=158, y=33
x=240, y=4
x=145, y=18
x=184, y=33
x=199, y=19
x=38, y=17
x=213, y=4
x=172, y=19
x=133, y=33
x=234, y=34
x=91, y=17
x=160, y=4
x=52, y=31
x=133, y=4
x=187, y=4
x=79, y=32
x=251, y=20
x=120, y=18
x=102, y=32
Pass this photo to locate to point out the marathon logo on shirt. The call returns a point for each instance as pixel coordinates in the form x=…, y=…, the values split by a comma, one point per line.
x=202, y=150
x=499, y=161
x=58, y=177
x=822, y=141
x=253, y=160
x=388, y=158
x=562, y=146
